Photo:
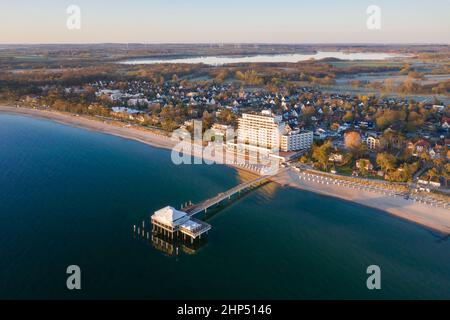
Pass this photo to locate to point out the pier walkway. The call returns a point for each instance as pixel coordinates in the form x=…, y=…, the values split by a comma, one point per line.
x=205, y=205
x=172, y=223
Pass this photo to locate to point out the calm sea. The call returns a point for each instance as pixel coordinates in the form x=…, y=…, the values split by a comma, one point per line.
x=70, y=197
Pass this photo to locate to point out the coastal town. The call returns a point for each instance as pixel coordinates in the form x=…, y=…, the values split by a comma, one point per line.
x=379, y=127
x=333, y=144
x=215, y=154
x=398, y=140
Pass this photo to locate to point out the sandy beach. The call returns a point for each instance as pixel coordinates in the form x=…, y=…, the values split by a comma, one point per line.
x=434, y=218
x=437, y=219
x=110, y=127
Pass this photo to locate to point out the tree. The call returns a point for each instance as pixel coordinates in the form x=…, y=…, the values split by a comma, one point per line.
x=384, y=118
x=414, y=121
x=363, y=166
x=348, y=117
x=335, y=126
x=321, y=154
x=226, y=117
x=221, y=76
x=207, y=120
x=249, y=77
x=388, y=85
x=386, y=161
x=446, y=173
x=307, y=113
x=352, y=140
x=415, y=75
x=405, y=70
x=433, y=174
x=424, y=156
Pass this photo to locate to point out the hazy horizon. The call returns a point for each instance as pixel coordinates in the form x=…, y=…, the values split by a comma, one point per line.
x=206, y=22
x=231, y=43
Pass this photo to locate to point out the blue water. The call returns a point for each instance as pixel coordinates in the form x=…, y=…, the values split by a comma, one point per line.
x=70, y=196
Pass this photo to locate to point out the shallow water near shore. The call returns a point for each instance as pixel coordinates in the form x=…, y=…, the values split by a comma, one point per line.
x=70, y=196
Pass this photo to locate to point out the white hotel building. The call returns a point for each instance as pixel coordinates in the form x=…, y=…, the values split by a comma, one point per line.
x=268, y=131
x=296, y=140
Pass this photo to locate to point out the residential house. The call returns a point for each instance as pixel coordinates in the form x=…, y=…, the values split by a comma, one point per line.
x=336, y=157
x=364, y=164
x=373, y=141
x=420, y=147
x=445, y=123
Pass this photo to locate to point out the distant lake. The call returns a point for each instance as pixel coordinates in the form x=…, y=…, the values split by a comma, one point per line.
x=275, y=58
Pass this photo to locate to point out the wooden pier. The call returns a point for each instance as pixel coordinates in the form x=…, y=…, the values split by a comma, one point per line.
x=175, y=224
x=205, y=205
x=181, y=224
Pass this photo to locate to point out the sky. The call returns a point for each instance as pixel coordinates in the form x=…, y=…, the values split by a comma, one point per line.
x=226, y=21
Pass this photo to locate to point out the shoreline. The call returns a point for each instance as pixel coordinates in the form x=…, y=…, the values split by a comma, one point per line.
x=437, y=219
x=111, y=127
x=433, y=218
